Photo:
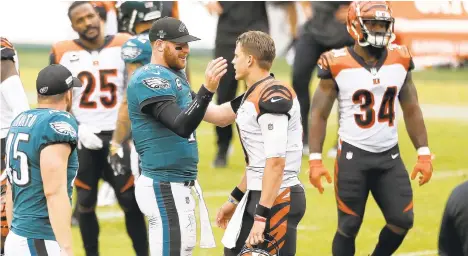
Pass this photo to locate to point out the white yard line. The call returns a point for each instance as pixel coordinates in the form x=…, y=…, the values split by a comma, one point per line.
x=418, y=253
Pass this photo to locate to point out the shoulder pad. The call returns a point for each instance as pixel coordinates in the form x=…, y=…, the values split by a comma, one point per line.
x=8, y=51
x=61, y=47
x=154, y=77
x=118, y=40
x=400, y=54
x=62, y=126
x=137, y=49
x=329, y=59
x=275, y=99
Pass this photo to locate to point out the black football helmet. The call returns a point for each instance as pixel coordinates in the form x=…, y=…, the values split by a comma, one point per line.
x=130, y=13
x=261, y=250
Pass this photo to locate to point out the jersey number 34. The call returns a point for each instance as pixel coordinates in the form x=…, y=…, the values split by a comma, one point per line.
x=386, y=113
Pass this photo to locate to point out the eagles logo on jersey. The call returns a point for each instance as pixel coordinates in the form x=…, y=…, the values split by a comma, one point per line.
x=156, y=83
x=63, y=128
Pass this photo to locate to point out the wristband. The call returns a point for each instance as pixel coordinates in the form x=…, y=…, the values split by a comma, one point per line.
x=315, y=156
x=259, y=218
x=237, y=194
x=262, y=211
x=232, y=200
x=204, y=94
x=424, y=151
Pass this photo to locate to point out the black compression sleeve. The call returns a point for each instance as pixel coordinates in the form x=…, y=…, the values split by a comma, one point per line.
x=183, y=122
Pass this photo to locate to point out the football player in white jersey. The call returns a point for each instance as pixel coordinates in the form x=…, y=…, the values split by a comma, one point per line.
x=270, y=200
x=95, y=59
x=366, y=79
x=13, y=101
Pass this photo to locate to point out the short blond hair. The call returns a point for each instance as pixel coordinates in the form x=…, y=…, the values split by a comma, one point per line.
x=260, y=45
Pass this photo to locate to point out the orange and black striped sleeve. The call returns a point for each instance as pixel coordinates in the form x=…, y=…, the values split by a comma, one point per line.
x=275, y=99
x=8, y=51
x=324, y=71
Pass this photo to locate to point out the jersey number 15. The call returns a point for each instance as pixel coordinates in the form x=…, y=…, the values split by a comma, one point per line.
x=19, y=177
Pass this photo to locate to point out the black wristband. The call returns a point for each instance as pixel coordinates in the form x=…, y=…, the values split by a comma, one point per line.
x=204, y=94
x=237, y=194
x=262, y=211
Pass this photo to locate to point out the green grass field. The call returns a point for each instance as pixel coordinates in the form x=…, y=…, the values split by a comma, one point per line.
x=447, y=138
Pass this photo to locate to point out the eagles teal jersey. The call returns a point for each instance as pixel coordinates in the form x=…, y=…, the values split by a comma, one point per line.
x=29, y=133
x=137, y=50
x=165, y=156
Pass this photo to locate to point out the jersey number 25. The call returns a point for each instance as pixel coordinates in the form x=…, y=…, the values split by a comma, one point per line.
x=89, y=81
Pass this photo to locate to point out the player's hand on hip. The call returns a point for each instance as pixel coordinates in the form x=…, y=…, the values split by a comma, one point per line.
x=316, y=172
x=87, y=137
x=225, y=214
x=116, y=155
x=424, y=167
x=256, y=233
x=214, y=71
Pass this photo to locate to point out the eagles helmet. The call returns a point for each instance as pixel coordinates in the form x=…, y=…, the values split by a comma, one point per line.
x=131, y=13
x=271, y=250
x=359, y=12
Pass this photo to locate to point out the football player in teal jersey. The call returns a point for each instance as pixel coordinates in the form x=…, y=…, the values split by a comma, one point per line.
x=164, y=113
x=42, y=163
x=135, y=17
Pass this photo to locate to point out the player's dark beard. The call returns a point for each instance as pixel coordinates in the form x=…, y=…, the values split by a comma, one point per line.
x=172, y=60
x=87, y=38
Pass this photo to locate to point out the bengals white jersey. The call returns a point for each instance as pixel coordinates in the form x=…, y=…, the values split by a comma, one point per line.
x=102, y=73
x=13, y=99
x=367, y=95
x=265, y=106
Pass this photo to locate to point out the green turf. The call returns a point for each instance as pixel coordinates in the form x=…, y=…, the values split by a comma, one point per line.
x=447, y=141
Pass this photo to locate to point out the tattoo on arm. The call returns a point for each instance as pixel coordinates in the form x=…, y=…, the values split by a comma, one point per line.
x=322, y=103
x=412, y=113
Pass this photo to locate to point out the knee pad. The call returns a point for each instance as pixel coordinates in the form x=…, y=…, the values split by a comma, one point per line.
x=404, y=220
x=127, y=200
x=86, y=199
x=349, y=225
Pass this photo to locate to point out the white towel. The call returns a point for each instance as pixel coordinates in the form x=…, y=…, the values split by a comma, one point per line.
x=207, y=239
x=235, y=224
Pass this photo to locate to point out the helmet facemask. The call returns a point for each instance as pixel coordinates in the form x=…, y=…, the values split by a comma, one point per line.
x=378, y=39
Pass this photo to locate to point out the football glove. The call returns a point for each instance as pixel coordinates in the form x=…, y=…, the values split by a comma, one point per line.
x=87, y=137
x=116, y=155
x=423, y=166
x=316, y=171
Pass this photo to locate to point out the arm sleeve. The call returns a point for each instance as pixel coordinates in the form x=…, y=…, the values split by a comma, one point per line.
x=182, y=122
x=61, y=128
x=275, y=134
